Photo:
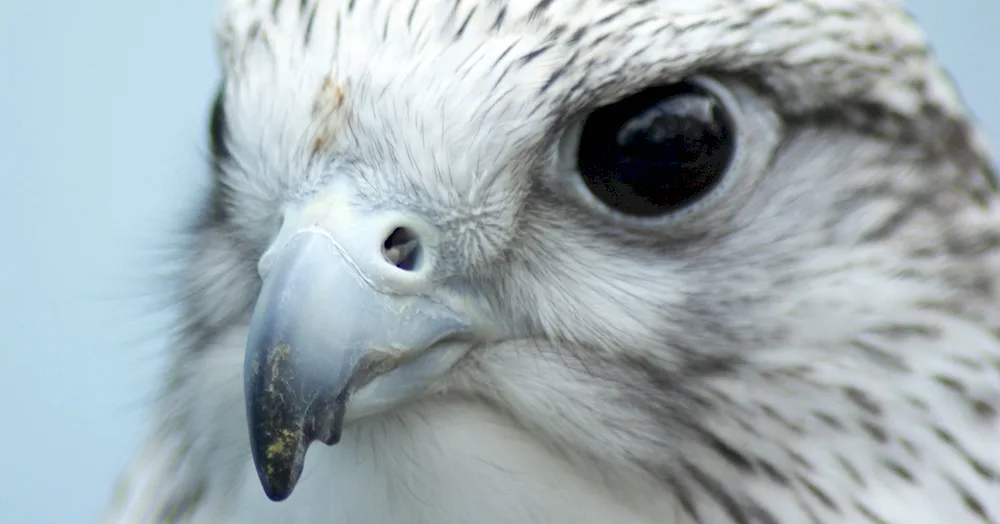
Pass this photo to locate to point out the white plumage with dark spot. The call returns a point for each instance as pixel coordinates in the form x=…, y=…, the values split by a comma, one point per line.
x=583, y=261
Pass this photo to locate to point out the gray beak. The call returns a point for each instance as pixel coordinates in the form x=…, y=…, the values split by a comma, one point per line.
x=335, y=337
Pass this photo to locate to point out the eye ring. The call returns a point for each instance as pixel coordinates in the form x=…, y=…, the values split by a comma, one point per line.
x=662, y=212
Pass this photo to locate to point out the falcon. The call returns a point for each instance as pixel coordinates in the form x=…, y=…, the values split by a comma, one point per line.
x=582, y=261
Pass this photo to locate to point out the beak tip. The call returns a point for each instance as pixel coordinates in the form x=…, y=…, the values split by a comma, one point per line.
x=276, y=493
x=278, y=476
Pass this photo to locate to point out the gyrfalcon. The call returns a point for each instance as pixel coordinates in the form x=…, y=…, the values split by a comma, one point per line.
x=582, y=261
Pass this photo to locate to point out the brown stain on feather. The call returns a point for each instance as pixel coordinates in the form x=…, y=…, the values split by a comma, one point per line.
x=327, y=110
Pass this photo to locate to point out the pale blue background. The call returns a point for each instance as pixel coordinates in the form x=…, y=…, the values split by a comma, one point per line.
x=102, y=118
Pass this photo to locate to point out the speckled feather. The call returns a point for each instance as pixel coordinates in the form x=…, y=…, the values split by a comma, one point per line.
x=816, y=342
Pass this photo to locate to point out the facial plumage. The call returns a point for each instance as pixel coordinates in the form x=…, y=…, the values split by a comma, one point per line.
x=814, y=338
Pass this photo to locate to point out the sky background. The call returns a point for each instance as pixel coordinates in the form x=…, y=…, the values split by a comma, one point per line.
x=102, y=116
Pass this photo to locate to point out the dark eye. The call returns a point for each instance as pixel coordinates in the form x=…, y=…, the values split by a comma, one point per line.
x=657, y=151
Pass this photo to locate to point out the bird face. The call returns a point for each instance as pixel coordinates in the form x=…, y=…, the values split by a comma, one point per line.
x=581, y=217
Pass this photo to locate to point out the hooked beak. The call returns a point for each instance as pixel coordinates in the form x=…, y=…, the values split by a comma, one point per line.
x=345, y=326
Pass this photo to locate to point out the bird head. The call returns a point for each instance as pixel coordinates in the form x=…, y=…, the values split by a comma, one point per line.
x=583, y=214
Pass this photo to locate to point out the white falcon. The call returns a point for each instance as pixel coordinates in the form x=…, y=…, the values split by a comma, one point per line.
x=583, y=261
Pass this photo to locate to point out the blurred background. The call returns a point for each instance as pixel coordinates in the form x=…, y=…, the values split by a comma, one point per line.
x=103, y=111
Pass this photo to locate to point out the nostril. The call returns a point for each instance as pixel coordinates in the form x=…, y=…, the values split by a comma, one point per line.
x=402, y=249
